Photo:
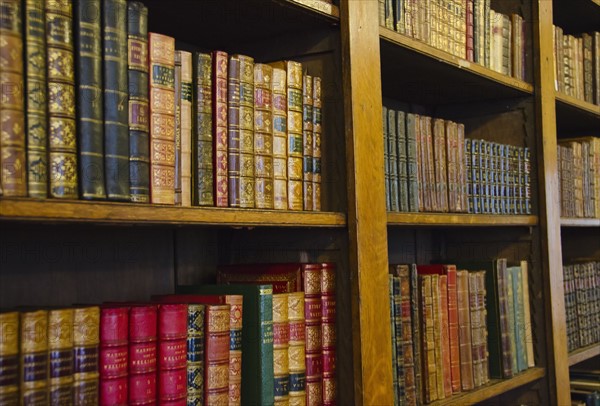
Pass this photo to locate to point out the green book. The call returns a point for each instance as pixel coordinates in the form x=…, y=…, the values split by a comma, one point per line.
x=257, y=337
x=519, y=317
x=511, y=321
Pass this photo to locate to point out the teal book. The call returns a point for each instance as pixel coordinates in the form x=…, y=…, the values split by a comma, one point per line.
x=517, y=280
x=512, y=333
x=394, y=339
x=257, y=337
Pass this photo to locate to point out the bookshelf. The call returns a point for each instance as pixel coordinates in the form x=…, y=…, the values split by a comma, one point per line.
x=583, y=354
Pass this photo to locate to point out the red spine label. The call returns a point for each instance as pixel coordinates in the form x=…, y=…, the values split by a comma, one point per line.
x=113, y=362
x=142, y=357
x=173, y=354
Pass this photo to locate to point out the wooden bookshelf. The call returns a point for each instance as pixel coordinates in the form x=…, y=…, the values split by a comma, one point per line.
x=583, y=354
x=493, y=388
x=456, y=219
x=579, y=222
x=318, y=6
x=582, y=105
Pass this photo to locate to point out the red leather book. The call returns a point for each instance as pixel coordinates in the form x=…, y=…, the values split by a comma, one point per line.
x=328, y=333
x=114, y=354
x=142, y=354
x=219, y=93
x=447, y=374
x=172, y=353
x=311, y=281
x=216, y=354
x=285, y=278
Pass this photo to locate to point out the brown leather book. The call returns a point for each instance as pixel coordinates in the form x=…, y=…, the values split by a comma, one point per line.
x=263, y=136
x=428, y=339
x=296, y=349
x=219, y=122
x=9, y=358
x=281, y=336
x=476, y=330
x=307, y=142
x=86, y=339
x=316, y=147
x=280, y=156
x=60, y=352
x=313, y=313
x=445, y=334
x=441, y=163
x=438, y=310
x=464, y=330
x=34, y=363
x=203, y=159
x=462, y=170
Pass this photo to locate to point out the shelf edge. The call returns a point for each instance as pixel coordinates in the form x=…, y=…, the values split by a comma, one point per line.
x=585, y=353
x=579, y=222
x=459, y=219
x=578, y=104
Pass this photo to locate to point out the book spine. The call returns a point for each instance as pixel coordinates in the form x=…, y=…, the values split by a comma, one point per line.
x=60, y=356
x=476, y=339
x=249, y=162
x=116, y=120
x=437, y=335
x=216, y=352
x=442, y=162
x=114, y=355
x=464, y=330
x=316, y=147
x=507, y=361
x=266, y=345
x=511, y=321
x=392, y=140
x=203, y=159
x=294, y=133
x=233, y=130
x=219, y=121
x=296, y=353
x=177, y=87
x=445, y=336
x=386, y=157
x=428, y=339
x=407, y=340
x=195, y=354
x=519, y=318
x=402, y=162
x=415, y=300
x=412, y=164
x=279, y=103
x=263, y=136
x=307, y=142
x=142, y=354
x=186, y=128
x=162, y=118
x=172, y=353
x=137, y=64
x=281, y=332
x=36, y=123
x=9, y=358
x=453, y=329
x=394, y=339
x=451, y=165
x=34, y=358
x=397, y=342
x=86, y=339
x=235, y=348
x=62, y=143
x=328, y=333
x=311, y=274
x=596, y=69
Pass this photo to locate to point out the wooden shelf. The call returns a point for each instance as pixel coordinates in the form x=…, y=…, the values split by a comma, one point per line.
x=420, y=73
x=576, y=117
x=579, y=104
x=494, y=388
x=583, y=354
x=129, y=213
x=579, y=222
x=455, y=219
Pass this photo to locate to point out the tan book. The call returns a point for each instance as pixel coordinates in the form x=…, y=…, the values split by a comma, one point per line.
x=86, y=339
x=34, y=357
x=281, y=370
x=9, y=358
x=186, y=127
x=296, y=353
x=427, y=310
x=60, y=350
x=247, y=121
x=280, y=156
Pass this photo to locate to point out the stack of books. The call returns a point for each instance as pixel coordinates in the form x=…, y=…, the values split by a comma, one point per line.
x=585, y=387
x=114, y=112
x=456, y=326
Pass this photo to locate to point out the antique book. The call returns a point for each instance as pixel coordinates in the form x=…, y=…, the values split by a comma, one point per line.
x=195, y=353
x=248, y=160
x=62, y=146
x=517, y=280
x=177, y=87
x=441, y=163
x=142, y=354
x=114, y=354
x=397, y=347
x=402, y=162
x=139, y=128
x=296, y=349
x=216, y=352
x=285, y=277
x=512, y=334
x=476, y=336
x=9, y=357
x=413, y=161
x=394, y=339
x=386, y=158
x=431, y=198
x=185, y=127
x=36, y=102
x=451, y=151
x=219, y=128
x=415, y=300
x=438, y=309
x=172, y=353
x=233, y=130
x=162, y=118
x=311, y=275
x=481, y=301
x=596, y=68
x=464, y=330
x=445, y=336
x=34, y=357
x=116, y=121
x=256, y=339
x=281, y=330
x=470, y=47
x=86, y=341
x=392, y=153
x=316, y=147
x=328, y=332
x=279, y=116
x=203, y=159
x=307, y=142
x=60, y=356
x=427, y=328
x=263, y=136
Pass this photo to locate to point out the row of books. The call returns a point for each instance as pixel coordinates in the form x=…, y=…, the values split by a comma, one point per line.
x=579, y=177
x=577, y=65
x=112, y=111
x=453, y=329
x=585, y=387
x=226, y=344
x=468, y=29
x=430, y=166
x=582, y=303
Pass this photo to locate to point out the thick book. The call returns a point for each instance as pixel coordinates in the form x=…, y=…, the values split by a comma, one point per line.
x=139, y=125
x=116, y=119
x=62, y=126
x=296, y=349
x=143, y=321
x=263, y=137
x=520, y=338
x=60, y=356
x=36, y=102
x=162, y=118
x=464, y=330
x=279, y=103
x=34, y=360
x=203, y=123
x=9, y=358
x=285, y=277
x=328, y=332
x=185, y=126
x=219, y=128
x=114, y=355
x=172, y=353
x=86, y=341
x=257, y=337
x=311, y=275
x=426, y=308
x=281, y=330
x=307, y=142
x=316, y=147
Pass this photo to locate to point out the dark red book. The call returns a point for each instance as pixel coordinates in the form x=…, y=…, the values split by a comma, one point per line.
x=114, y=354
x=313, y=313
x=328, y=333
x=216, y=354
x=142, y=354
x=172, y=353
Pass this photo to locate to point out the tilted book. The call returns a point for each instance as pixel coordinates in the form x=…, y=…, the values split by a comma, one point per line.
x=9, y=357
x=86, y=340
x=60, y=356
x=203, y=157
x=263, y=136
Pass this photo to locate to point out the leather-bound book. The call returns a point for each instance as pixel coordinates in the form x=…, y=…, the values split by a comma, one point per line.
x=469, y=176
x=281, y=332
x=451, y=147
x=329, y=335
x=36, y=101
x=415, y=313
x=13, y=163
x=60, y=356
x=402, y=161
x=162, y=118
x=9, y=358
x=394, y=339
x=481, y=302
x=114, y=355
x=139, y=116
x=90, y=98
x=445, y=334
x=203, y=158
x=441, y=164
x=527, y=315
x=285, y=277
x=464, y=330
x=427, y=340
x=596, y=66
x=34, y=357
x=86, y=339
x=520, y=338
x=392, y=140
x=61, y=100
x=142, y=354
x=177, y=85
x=280, y=199
x=427, y=126
x=512, y=332
x=412, y=159
x=248, y=166
x=396, y=326
x=313, y=313
x=386, y=158
x=216, y=353
x=233, y=130
x=476, y=329
x=294, y=131
x=316, y=147
x=307, y=141
x=185, y=127
x=437, y=335
x=296, y=349
x=263, y=136
x=172, y=353
x=469, y=31
x=116, y=99
x=219, y=130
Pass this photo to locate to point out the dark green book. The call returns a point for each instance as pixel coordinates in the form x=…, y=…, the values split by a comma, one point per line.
x=519, y=318
x=257, y=337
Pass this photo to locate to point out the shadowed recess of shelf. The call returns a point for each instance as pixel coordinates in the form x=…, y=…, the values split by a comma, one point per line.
x=130, y=213
x=579, y=222
x=456, y=219
x=576, y=16
x=412, y=70
x=494, y=388
x=584, y=353
x=574, y=116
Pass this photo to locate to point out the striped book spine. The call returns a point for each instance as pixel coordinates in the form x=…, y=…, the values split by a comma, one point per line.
x=195, y=354
x=233, y=131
